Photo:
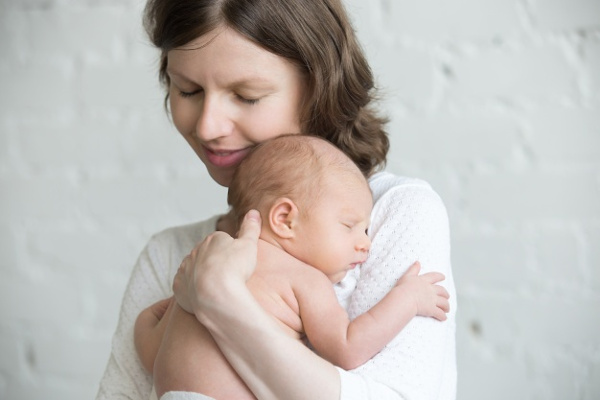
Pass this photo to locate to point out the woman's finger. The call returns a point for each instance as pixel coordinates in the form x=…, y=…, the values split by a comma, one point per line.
x=250, y=228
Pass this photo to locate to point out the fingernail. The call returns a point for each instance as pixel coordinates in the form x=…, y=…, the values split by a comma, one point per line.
x=253, y=214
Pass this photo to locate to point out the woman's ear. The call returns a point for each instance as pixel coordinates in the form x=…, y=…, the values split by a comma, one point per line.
x=283, y=216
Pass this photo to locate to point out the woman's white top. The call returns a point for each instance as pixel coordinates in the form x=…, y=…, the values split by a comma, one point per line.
x=408, y=223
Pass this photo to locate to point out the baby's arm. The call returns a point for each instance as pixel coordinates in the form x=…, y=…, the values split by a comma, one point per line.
x=149, y=330
x=350, y=344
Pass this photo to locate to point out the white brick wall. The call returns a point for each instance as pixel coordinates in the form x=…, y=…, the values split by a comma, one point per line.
x=495, y=102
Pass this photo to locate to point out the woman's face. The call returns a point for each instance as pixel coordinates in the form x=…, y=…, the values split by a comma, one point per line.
x=228, y=94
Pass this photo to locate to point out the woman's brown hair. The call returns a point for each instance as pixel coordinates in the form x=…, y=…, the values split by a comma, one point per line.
x=317, y=36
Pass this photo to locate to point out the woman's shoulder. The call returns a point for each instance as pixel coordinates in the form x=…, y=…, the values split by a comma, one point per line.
x=400, y=197
x=165, y=250
x=382, y=183
x=185, y=236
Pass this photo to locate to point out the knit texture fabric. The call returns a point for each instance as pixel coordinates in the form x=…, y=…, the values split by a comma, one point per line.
x=408, y=223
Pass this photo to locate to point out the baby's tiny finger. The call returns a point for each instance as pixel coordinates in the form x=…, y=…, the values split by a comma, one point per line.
x=440, y=315
x=444, y=304
x=434, y=277
x=441, y=291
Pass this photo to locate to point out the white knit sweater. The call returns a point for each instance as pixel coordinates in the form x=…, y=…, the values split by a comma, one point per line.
x=408, y=223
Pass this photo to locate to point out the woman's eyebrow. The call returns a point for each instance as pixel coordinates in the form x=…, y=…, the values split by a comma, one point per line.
x=253, y=82
x=172, y=73
x=246, y=82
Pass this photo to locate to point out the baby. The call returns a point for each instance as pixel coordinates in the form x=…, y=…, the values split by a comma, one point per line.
x=315, y=206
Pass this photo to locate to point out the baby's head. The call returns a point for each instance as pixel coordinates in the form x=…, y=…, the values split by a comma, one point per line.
x=292, y=166
x=314, y=201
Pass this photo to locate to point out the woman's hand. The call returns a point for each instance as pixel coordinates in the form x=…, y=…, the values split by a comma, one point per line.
x=211, y=283
x=218, y=261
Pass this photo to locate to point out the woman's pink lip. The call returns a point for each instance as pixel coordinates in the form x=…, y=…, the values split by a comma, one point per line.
x=225, y=158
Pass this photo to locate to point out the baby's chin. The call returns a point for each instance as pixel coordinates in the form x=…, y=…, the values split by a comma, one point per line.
x=338, y=277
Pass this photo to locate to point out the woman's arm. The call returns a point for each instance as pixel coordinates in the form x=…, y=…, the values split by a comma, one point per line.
x=150, y=281
x=212, y=282
x=125, y=376
x=409, y=222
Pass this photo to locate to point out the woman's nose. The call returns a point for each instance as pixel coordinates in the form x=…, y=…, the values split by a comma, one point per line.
x=213, y=120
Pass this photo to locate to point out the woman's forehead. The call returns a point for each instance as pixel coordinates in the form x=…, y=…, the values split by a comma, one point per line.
x=230, y=54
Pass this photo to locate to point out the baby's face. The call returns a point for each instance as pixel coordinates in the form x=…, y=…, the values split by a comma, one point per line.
x=334, y=232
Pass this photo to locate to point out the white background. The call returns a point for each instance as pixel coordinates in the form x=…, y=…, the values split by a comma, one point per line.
x=495, y=102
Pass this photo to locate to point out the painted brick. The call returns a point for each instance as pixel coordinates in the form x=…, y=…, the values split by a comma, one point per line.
x=533, y=73
x=128, y=198
x=12, y=29
x=103, y=301
x=10, y=248
x=560, y=264
x=36, y=301
x=6, y=147
x=13, y=360
x=66, y=249
x=542, y=310
x=565, y=15
x=101, y=141
x=34, y=87
x=493, y=374
x=456, y=140
x=404, y=75
x=565, y=135
x=151, y=139
x=55, y=26
x=51, y=388
x=592, y=66
x=527, y=196
x=478, y=272
x=494, y=102
x=61, y=353
x=438, y=20
x=592, y=255
x=592, y=391
x=37, y=197
x=117, y=85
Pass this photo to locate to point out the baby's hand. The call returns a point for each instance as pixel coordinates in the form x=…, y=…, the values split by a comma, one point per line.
x=430, y=300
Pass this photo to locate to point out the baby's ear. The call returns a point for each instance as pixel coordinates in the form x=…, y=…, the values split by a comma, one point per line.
x=282, y=217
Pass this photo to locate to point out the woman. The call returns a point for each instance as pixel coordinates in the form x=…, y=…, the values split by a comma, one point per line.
x=241, y=72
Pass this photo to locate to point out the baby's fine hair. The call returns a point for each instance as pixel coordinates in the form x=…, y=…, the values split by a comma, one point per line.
x=291, y=166
x=316, y=36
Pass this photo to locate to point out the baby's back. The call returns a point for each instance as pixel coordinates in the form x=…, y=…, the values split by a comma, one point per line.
x=188, y=348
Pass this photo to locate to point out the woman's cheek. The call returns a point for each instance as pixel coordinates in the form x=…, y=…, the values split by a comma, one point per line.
x=183, y=116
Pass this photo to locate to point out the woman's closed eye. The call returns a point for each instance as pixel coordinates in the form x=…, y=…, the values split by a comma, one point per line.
x=246, y=100
x=189, y=94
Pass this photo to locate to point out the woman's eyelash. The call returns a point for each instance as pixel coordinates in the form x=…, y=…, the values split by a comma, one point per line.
x=188, y=94
x=247, y=101
x=195, y=92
